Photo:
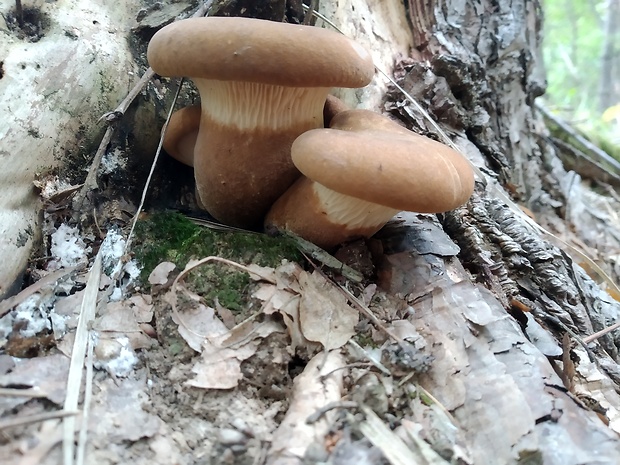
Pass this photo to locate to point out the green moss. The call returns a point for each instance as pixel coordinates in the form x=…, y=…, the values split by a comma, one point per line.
x=426, y=399
x=172, y=237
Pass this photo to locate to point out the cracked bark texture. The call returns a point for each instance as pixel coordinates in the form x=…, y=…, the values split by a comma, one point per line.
x=476, y=68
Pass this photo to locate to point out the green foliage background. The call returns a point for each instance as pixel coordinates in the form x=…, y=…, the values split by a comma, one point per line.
x=574, y=36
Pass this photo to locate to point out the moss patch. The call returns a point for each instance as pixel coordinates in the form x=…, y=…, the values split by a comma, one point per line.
x=172, y=237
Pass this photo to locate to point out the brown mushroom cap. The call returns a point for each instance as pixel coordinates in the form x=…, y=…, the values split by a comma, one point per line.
x=181, y=134
x=333, y=106
x=254, y=50
x=362, y=172
x=395, y=168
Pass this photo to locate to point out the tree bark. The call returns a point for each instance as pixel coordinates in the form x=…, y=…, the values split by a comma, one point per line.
x=496, y=330
x=52, y=93
x=498, y=316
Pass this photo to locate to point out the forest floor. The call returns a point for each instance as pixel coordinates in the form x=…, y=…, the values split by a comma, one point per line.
x=184, y=343
x=221, y=363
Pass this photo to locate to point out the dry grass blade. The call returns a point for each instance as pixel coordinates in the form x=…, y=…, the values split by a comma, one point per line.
x=88, y=311
x=393, y=447
x=218, y=226
x=88, y=395
x=152, y=170
x=21, y=420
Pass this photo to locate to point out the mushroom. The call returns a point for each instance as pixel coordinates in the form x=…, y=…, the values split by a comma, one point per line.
x=181, y=134
x=182, y=129
x=262, y=84
x=333, y=106
x=360, y=173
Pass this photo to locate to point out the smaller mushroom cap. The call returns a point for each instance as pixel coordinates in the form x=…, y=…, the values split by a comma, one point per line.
x=383, y=163
x=255, y=50
x=333, y=106
x=181, y=134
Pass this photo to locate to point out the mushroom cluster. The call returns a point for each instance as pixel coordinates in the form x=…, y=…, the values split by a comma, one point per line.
x=261, y=85
x=362, y=171
x=264, y=104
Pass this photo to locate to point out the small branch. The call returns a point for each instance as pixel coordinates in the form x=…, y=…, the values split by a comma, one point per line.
x=119, y=111
x=601, y=333
x=601, y=154
x=19, y=421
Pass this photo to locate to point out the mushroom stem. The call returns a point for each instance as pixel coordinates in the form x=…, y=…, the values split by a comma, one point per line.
x=182, y=133
x=242, y=154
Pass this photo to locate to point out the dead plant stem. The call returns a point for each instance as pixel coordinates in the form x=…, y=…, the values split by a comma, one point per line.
x=20, y=420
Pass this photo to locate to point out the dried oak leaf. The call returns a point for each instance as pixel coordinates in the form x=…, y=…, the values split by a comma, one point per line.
x=324, y=314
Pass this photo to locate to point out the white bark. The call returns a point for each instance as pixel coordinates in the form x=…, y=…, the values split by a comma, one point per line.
x=50, y=92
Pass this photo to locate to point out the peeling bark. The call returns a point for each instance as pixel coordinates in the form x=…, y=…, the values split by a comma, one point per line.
x=476, y=69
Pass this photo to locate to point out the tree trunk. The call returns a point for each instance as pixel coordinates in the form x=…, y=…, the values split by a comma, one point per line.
x=57, y=78
x=476, y=69
x=610, y=57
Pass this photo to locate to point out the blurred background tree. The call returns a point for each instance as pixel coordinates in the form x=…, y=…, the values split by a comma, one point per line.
x=582, y=55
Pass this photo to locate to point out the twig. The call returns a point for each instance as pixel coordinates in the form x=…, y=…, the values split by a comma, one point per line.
x=21, y=420
x=601, y=333
x=91, y=179
x=344, y=404
x=120, y=110
x=582, y=140
x=111, y=117
x=331, y=262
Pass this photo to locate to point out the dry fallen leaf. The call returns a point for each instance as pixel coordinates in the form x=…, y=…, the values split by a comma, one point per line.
x=220, y=365
x=160, y=273
x=319, y=385
x=325, y=316
x=198, y=324
x=46, y=374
